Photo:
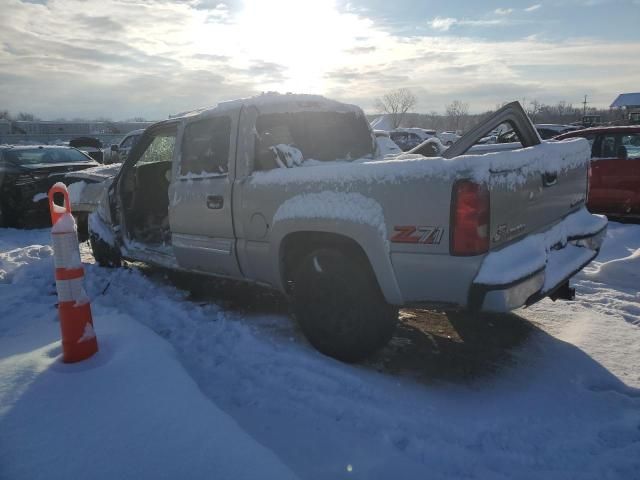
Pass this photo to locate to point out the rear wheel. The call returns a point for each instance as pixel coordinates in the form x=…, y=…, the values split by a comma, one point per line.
x=339, y=305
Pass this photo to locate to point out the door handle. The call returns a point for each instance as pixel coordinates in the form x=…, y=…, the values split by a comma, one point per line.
x=549, y=179
x=215, y=202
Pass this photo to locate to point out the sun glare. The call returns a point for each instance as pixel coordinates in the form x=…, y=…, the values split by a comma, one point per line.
x=308, y=39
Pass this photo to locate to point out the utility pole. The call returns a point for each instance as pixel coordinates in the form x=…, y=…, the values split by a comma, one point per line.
x=584, y=106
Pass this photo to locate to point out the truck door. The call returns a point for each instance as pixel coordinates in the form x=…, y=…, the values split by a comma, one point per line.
x=630, y=143
x=200, y=213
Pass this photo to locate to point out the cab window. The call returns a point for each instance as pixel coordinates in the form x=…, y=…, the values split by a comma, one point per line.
x=205, y=148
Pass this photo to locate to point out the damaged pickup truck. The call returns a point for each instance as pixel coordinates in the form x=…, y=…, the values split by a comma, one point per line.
x=288, y=191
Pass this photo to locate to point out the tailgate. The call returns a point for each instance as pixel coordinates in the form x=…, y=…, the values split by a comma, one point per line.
x=534, y=188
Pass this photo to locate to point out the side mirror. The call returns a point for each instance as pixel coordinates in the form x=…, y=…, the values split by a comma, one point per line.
x=114, y=148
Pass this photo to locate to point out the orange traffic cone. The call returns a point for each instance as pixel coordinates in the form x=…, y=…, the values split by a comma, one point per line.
x=76, y=325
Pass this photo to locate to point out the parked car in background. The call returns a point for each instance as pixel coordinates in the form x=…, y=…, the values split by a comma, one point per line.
x=550, y=130
x=118, y=153
x=86, y=187
x=408, y=138
x=89, y=145
x=615, y=169
x=431, y=147
x=448, y=138
x=27, y=173
x=386, y=146
x=591, y=120
x=289, y=191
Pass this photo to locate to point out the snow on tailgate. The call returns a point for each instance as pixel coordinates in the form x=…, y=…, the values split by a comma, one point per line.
x=534, y=252
x=546, y=157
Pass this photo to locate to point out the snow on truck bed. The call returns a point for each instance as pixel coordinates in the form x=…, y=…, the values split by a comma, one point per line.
x=150, y=404
x=546, y=157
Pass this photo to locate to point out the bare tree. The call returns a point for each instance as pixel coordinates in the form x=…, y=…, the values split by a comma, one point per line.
x=457, y=111
x=535, y=107
x=4, y=114
x=29, y=117
x=397, y=104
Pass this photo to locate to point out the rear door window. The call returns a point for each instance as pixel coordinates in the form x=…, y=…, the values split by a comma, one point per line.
x=631, y=144
x=617, y=145
x=205, y=148
x=293, y=137
x=607, y=146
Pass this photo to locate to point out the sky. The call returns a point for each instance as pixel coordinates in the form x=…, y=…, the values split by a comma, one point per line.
x=121, y=59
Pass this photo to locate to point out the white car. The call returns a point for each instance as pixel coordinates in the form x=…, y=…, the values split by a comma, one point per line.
x=386, y=146
x=448, y=138
x=86, y=187
x=119, y=152
x=410, y=137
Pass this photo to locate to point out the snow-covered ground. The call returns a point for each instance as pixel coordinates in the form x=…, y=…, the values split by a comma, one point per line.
x=185, y=387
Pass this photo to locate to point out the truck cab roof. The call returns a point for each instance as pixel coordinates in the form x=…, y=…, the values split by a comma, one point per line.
x=273, y=103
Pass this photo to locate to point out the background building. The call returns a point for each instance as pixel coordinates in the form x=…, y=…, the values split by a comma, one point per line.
x=630, y=103
x=60, y=132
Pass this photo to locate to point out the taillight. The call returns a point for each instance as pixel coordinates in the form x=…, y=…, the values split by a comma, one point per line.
x=469, y=219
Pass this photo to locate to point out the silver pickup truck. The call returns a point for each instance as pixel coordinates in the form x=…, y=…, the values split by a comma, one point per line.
x=288, y=191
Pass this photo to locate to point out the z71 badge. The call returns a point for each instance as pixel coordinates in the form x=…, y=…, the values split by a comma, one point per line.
x=417, y=234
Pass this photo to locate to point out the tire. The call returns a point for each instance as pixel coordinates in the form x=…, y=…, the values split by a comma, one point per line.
x=339, y=305
x=104, y=254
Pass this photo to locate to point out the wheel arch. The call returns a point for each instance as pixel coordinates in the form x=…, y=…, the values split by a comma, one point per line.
x=293, y=243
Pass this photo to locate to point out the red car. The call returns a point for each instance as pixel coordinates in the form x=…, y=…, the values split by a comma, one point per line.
x=615, y=169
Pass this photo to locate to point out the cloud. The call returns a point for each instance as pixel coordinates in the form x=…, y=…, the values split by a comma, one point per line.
x=153, y=58
x=503, y=11
x=103, y=23
x=533, y=8
x=361, y=49
x=268, y=70
x=209, y=57
x=444, y=24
